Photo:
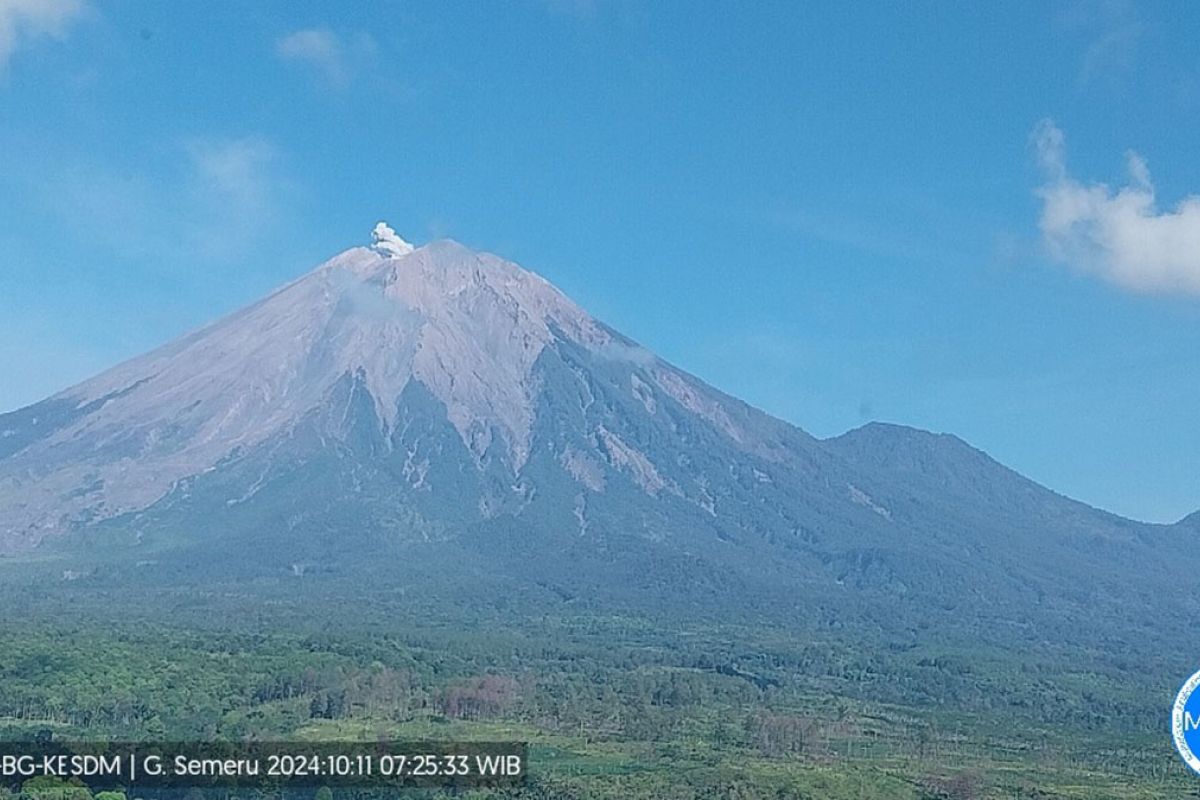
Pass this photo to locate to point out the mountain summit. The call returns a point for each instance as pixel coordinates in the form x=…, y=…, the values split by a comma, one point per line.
x=353, y=344
x=444, y=410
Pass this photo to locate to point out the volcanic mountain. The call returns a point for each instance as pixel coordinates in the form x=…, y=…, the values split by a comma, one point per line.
x=398, y=404
x=456, y=383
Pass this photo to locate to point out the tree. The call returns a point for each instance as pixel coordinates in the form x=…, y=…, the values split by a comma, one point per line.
x=781, y=734
x=49, y=788
x=966, y=785
x=478, y=698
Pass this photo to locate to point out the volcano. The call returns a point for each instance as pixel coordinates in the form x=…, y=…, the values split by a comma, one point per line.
x=398, y=403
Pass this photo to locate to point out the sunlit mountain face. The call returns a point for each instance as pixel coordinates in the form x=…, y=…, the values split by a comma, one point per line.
x=436, y=410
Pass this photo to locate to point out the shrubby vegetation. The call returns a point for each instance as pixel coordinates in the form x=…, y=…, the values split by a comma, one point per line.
x=613, y=705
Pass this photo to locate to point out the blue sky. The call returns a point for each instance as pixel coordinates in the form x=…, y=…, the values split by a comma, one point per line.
x=926, y=213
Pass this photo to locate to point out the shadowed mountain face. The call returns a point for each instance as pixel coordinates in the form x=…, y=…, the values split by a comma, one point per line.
x=441, y=410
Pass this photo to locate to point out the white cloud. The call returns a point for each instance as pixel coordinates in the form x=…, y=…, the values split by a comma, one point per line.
x=236, y=171
x=21, y=20
x=234, y=192
x=321, y=49
x=1112, y=32
x=1117, y=234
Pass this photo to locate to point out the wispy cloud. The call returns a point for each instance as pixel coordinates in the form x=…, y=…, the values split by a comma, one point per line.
x=236, y=172
x=577, y=8
x=1117, y=234
x=22, y=20
x=333, y=58
x=1112, y=31
x=215, y=197
x=235, y=189
x=319, y=48
x=895, y=228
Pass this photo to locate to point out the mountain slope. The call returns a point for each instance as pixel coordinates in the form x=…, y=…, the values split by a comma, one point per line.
x=474, y=341
x=1022, y=541
x=435, y=409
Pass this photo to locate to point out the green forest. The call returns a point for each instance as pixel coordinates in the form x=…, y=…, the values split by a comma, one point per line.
x=612, y=705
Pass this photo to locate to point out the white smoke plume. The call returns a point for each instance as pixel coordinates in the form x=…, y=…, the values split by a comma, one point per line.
x=387, y=241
